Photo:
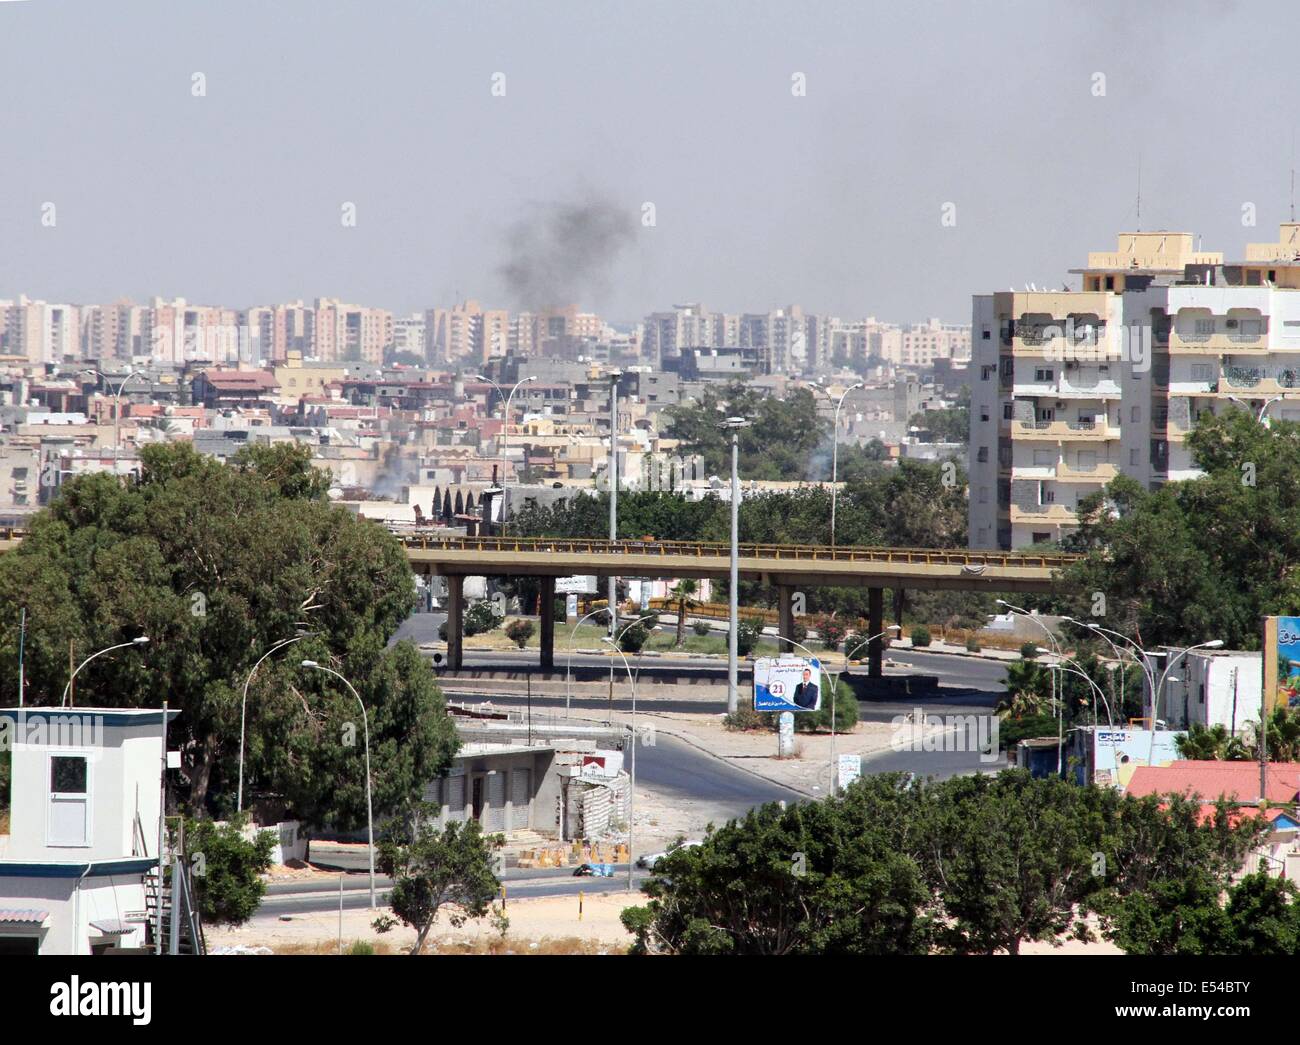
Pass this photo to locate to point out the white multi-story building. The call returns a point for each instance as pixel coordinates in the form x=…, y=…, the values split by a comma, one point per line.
x=1071, y=388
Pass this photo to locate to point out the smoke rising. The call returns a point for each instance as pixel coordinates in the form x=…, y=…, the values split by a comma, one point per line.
x=564, y=253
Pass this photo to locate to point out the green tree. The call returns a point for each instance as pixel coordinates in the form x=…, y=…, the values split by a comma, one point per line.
x=1028, y=690
x=216, y=564
x=835, y=877
x=1170, y=561
x=1011, y=857
x=780, y=444
x=228, y=868
x=433, y=870
x=683, y=595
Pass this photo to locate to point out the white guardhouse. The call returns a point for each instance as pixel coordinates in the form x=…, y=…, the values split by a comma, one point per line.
x=84, y=816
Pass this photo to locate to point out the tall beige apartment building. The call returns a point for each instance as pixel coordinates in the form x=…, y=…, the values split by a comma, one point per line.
x=1071, y=388
x=351, y=333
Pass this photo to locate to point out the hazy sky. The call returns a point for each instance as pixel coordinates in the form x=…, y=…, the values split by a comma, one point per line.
x=832, y=200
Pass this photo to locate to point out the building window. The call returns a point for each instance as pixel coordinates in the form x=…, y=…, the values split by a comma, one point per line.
x=1044, y=374
x=1133, y=458
x=1135, y=414
x=982, y=456
x=69, y=812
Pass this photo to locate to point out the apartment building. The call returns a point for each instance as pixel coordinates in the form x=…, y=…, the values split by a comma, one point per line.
x=351, y=333
x=1071, y=388
x=38, y=331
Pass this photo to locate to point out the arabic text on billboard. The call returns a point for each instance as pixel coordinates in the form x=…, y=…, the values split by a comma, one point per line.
x=787, y=684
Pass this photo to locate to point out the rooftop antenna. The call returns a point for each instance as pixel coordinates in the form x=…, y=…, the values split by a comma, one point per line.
x=1139, y=194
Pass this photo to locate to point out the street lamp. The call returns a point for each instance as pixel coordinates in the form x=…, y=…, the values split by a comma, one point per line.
x=1056, y=650
x=1119, y=651
x=140, y=641
x=117, y=401
x=734, y=425
x=568, y=659
x=243, y=707
x=1140, y=656
x=835, y=449
x=370, y=809
x=631, y=795
x=505, y=420
x=1259, y=418
x=1155, y=696
x=1096, y=689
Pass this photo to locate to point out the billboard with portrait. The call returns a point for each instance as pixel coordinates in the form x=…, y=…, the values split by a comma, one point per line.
x=787, y=684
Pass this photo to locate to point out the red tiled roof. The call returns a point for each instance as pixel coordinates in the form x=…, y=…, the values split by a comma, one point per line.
x=240, y=379
x=1237, y=781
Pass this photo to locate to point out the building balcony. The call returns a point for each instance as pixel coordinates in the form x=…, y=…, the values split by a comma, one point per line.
x=1258, y=381
x=1203, y=344
x=1056, y=514
x=1098, y=473
x=1062, y=431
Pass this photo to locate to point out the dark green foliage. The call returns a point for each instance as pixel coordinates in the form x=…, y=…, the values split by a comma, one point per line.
x=216, y=564
x=434, y=870
x=1170, y=562
x=748, y=633
x=480, y=618
x=920, y=635
x=971, y=865
x=226, y=869
x=635, y=636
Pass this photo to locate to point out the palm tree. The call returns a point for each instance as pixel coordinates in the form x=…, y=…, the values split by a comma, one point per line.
x=1283, y=736
x=683, y=593
x=1028, y=690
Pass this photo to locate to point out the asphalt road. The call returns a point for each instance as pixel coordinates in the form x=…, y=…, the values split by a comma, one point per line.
x=973, y=673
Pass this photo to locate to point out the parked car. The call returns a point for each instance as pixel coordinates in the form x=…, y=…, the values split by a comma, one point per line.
x=648, y=860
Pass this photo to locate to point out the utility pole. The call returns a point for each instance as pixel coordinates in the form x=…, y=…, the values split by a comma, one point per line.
x=612, y=473
x=734, y=425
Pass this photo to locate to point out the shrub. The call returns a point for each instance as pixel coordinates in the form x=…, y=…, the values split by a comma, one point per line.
x=481, y=617
x=920, y=635
x=519, y=631
x=701, y=628
x=748, y=632
x=746, y=718
x=361, y=947
x=635, y=636
x=832, y=632
x=972, y=644
x=230, y=889
x=442, y=631
x=1029, y=651
x=846, y=712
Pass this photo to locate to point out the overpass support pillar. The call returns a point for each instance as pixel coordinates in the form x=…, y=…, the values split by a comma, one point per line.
x=547, y=612
x=785, y=614
x=455, y=620
x=875, y=625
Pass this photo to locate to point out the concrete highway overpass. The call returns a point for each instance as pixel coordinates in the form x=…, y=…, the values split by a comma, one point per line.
x=787, y=567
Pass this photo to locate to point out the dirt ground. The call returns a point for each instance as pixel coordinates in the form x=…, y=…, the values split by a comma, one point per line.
x=543, y=925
